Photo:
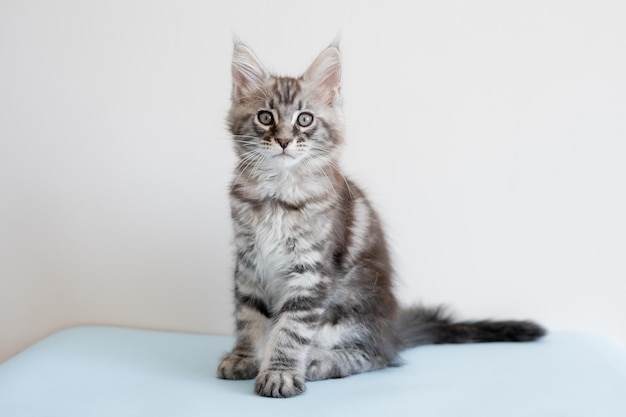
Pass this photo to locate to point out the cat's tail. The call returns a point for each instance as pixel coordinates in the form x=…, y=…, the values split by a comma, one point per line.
x=423, y=326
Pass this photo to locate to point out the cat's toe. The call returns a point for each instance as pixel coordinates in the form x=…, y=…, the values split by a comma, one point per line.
x=234, y=366
x=279, y=384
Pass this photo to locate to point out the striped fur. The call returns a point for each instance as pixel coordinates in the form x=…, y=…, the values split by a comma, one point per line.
x=313, y=278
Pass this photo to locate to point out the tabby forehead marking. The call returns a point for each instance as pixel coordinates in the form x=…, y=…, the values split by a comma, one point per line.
x=286, y=90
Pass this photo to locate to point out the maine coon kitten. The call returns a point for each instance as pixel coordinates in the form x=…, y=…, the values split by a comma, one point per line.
x=313, y=289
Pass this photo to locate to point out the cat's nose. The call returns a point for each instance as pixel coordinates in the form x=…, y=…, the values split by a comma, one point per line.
x=283, y=142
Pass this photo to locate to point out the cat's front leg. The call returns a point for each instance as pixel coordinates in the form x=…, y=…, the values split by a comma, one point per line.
x=251, y=318
x=283, y=369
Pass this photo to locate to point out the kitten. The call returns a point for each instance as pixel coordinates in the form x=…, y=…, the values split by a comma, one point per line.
x=313, y=278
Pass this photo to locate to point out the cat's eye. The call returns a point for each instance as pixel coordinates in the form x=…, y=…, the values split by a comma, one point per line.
x=305, y=119
x=265, y=117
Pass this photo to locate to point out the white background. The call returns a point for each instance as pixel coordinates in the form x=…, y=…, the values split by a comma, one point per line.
x=490, y=135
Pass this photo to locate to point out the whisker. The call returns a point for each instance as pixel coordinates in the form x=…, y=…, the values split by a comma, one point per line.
x=325, y=155
x=330, y=182
x=256, y=166
x=248, y=159
x=246, y=136
x=244, y=163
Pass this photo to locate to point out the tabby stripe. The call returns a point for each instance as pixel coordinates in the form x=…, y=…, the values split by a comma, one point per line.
x=300, y=303
x=283, y=364
x=245, y=261
x=286, y=89
x=333, y=135
x=290, y=334
x=300, y=205
x=253, y=302
x=307, y=317
x=359, y=229
x=307, y=268
x=238, y=193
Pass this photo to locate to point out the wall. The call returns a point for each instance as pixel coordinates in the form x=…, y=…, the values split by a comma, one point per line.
x=491, y=136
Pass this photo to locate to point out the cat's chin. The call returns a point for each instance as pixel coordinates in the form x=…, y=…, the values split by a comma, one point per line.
x=284, y=160
x=284, y=156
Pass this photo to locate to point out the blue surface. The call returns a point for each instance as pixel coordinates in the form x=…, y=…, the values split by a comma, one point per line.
x=113, y=372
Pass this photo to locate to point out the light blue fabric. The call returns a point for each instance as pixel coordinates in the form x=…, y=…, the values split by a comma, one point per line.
x=114, y=372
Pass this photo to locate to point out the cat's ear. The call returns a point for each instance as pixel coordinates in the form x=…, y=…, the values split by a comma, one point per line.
x=324, y=75
x=248, y=72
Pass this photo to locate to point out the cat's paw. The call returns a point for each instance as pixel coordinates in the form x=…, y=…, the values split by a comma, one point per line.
x=315, y=371
x=234, y=366
x=279, y=384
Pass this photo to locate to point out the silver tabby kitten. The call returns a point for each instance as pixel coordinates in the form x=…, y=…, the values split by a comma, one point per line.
x=313, y=288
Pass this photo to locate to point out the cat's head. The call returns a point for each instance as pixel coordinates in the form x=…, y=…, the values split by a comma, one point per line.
x=282, y=122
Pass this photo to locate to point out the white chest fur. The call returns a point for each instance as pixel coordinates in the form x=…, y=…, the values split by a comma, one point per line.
x=280, y=235
x=285, y=238
x=276, y=226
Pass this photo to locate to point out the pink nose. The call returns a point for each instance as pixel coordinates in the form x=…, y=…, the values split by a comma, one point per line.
x=283, y=142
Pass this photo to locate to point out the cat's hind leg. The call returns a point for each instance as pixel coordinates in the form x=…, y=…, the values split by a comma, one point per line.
x=346, y=348
x=338, y=362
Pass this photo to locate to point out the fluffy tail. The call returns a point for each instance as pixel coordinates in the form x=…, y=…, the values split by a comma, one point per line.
x=423, y=326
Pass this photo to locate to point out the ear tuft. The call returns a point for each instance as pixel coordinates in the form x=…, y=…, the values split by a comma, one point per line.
x=324, y=74
x=248, y=71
